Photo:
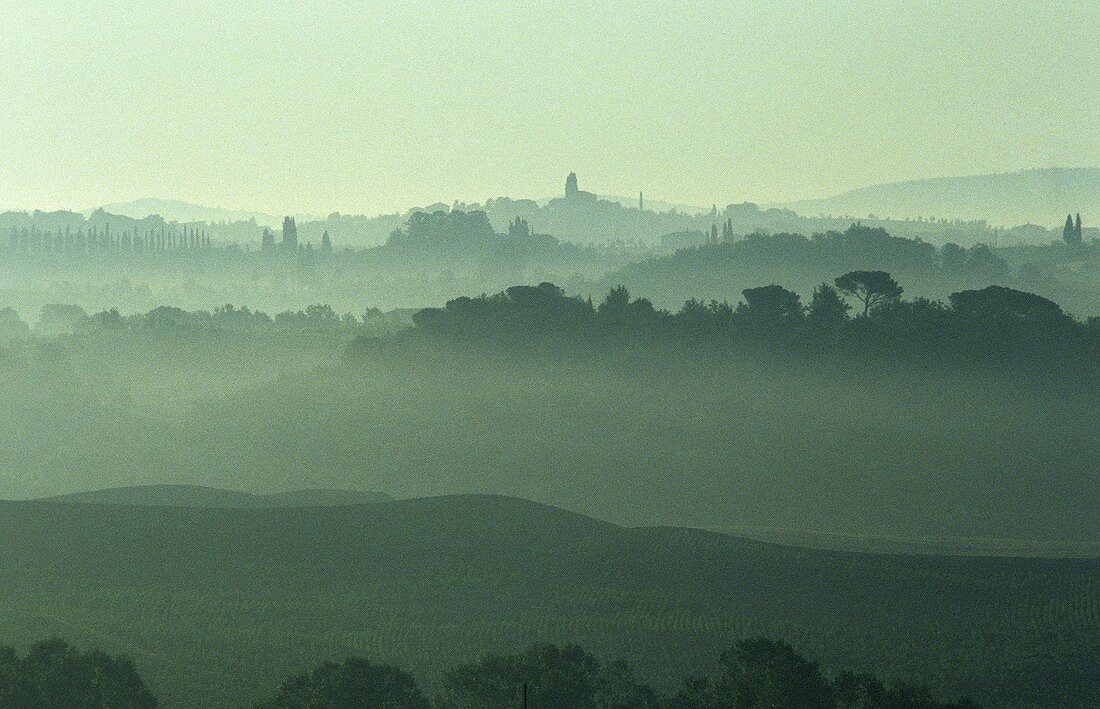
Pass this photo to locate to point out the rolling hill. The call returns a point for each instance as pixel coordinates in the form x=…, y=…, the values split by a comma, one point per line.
x=202, y=496
x=1040, y=196
x=215, y=604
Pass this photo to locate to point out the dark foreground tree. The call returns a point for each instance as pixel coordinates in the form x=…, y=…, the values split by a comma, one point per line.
x=54, y=675
x=761, y=673
x=770, y=304
x=827, y=306
x=556, y=678
x=872, y=288
x=995, y=303
x=355, y=684
x=865, y=691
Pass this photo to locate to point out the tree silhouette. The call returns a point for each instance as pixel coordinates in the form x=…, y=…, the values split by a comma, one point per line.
x=771, y=303
x=354, y=684
x=997, y=302
x=615, y=304
x=827, y=306
x=555, y=677
x=54, y=675
x=760, y=672
x=872, y=288
x=1069, y=233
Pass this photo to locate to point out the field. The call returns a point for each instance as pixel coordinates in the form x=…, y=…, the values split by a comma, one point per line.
x=216, y=604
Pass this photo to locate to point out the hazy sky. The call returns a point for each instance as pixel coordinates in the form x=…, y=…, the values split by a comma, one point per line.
x=371, y=106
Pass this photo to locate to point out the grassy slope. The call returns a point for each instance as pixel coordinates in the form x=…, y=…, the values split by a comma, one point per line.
x=215, y=604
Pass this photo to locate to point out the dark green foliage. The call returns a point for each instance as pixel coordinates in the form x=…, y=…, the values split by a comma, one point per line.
x=524, y=313
x=996, y=303
x=995, y=324
x=618, y=311
x=762, y=673
x=871, y=288
x=556, y=677
x=758, y=673
x=53, y=675
x=770, y=304
x=865, y=691
x=827, y=306
x=352, y=684
x=799, y=262
x=616, y=303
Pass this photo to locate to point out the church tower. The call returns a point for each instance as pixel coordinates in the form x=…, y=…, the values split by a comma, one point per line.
x=571, y=190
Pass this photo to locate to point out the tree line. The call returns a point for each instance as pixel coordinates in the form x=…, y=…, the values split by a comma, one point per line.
x=96, y=239
x=757, y=673
x=858, y=244
x=59, y=319
x=54, y=675
x=860, y=315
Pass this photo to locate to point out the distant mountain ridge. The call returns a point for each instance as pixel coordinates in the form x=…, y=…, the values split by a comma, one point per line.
x=202, y=496
x=174, y=210
x=1040, y=196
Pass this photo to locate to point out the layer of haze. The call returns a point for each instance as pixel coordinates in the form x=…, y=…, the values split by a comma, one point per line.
x=371, y=106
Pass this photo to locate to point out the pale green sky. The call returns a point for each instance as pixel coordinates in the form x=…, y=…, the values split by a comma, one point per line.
x=369, y=106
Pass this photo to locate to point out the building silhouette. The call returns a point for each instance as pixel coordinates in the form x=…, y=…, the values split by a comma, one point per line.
x=574, y=194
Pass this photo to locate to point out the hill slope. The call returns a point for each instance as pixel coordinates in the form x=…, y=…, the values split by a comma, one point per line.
x=215, y=604
x=202, y=496
x=1041, y=196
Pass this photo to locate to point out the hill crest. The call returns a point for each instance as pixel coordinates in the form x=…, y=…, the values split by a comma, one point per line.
x=169, y=495
x=1034, y=196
